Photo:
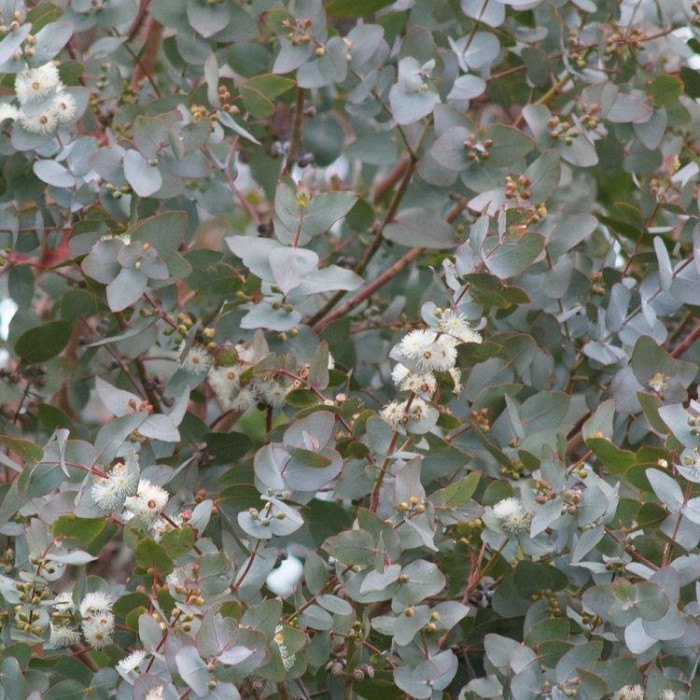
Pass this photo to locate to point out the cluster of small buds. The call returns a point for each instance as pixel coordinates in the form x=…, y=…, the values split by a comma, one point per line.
x=298, y=30
x=97, y=619
x=598, y=283
x=569, y=687
x=414, y=506
x=629, y=692
x=481, y=419
x=336, y=667
x=520, y=188
x=552, y=603
x=200, y=113
x=619, y=41
x=590, y=117
x=514, y=471
x=562, y=130
x=544, y=492
x=572, y=498
x=578, y=52
x=664, y=190
x=226, y=100
x=477, y=151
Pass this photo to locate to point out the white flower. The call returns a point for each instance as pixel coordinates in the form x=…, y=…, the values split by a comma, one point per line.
x=155, y=693
x=457, y=326
x=331, y=361
x=43, y=123
x=64, y=106
x=287, y=656
x=246, y=399
x=63, y=602
x=667, y=694
x=415, y=416
x=225, y=381
x=416, y=343
x=63, y=636
x=511, y=515
x=246, y=353
x=162, y=526
x=399, y=373
x=8, y=111
x=427, y=351
x=392, y=413
x=98, y=629
x=132, y=661
x=444, y=354
x=629, y=692
x=273, y=393
x=196, y=361
x=148, y=502
x=110, y=493
x=37, y=83
x=96, y=603
x=421, y=384
x=456, y=379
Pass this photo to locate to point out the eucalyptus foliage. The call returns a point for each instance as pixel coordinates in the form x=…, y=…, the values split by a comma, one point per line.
x=355, y=352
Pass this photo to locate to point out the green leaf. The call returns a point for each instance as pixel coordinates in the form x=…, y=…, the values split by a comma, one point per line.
x=27, y=451
x=131, y=601
x=616, y=460
x=165, y=232
x=258, y=93
x=150, y=555
x=144, y=178
x=488, y=290
x=354, y=8
x=513, y=255
x=665, y=90
x=509, y=144
x=417, y=227
x=691, y=81
x=308, y=458
x=352, y=547
x=178, y=541
x=81, y=531
x=44, y=342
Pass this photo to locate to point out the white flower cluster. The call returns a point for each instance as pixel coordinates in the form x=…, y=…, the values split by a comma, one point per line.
x=287, y=656
x=511, y=515
x=629, y=692
x=155, y=693
x=44, y=104
x=237, y=395
x=147, y=503
x=97, y=619
x=420, y=354
x=63, y=634
x=123, y=488
x=110, y=493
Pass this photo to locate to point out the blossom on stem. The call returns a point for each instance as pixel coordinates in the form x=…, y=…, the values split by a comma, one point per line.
x=148, y=503
x=35, y=84
x=511, y=515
